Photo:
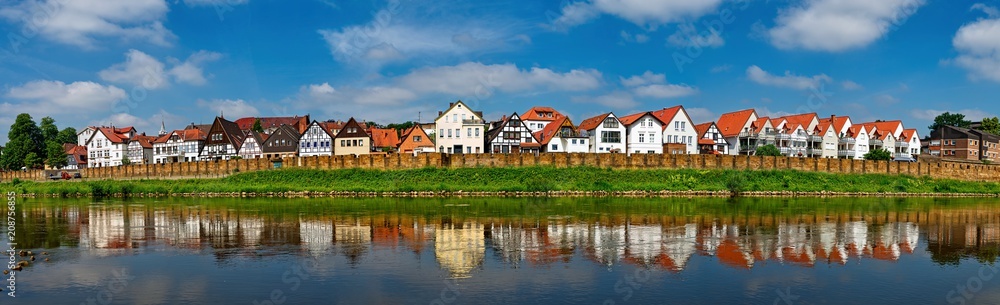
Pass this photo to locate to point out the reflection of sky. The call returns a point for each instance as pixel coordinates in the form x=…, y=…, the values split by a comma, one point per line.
x=207, y=256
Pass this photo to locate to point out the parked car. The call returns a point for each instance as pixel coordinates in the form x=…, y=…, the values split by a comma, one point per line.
x=54, y=177
x=77, y=176
x=904, y=159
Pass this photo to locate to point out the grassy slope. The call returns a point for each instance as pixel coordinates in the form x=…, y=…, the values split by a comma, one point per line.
x=517, y=179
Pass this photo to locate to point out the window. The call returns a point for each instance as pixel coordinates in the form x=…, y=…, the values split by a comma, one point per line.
x=611, y=136
x=650, y=151
x=683, y=126
x=510, y=135
x=463, y=117
x=442, y=132
x=449, y=133
x=677, y=126
x=454, y=118
x=676, y=139
x=449, y=150
x=361, y=142
x=610, y=123
x=343, y=143
x=468, y=150
x=458, y=132
x=555, y=147
x=477, y=132
x=416, y=138
x=642, y=137
x=469, y=131
x=477, y=149
x=574, y=141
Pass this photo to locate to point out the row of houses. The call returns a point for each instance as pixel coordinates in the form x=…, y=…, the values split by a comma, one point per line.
x=462, y=130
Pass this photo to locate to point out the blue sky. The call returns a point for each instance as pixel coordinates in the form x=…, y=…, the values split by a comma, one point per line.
x=139, y=62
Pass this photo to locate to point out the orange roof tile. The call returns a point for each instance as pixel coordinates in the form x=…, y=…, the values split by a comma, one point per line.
x=909, y=134
x=592, y=123
x=701, y=129
x=802, y=119
x=667, y=114
x=550, y=130
x=632, y=118
x=731, y=124
x=384, y=137
x=538, y=113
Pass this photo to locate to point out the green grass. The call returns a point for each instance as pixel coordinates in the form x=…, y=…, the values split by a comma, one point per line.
x=514, y=179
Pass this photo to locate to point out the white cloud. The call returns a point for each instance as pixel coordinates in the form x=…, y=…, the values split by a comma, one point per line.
x=214, y=3
x=646, y=78
x=51, y=97
x=471, y=78
x=141, y=69
x=232, y=109
x=82, y=22
x=851, y=85
x=789, y=80
x=687, y=36
x=886, y=100
x=665, y=91
x=616, y=100
x=722, y=68
x=637, y=38
x=989, y=10
x=644, y=13
x=190, y=71
x=978, y=45
x=149, y=125
x=930, y=114
x=701, y=115
x=838, y=25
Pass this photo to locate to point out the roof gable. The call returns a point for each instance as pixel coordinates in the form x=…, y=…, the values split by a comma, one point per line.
x=703, y=128
x=352, y=130
x=552, y=129
x=731, y=124
x=631, y=119
x=477, y=114
x=592, y=123
x=541, y=113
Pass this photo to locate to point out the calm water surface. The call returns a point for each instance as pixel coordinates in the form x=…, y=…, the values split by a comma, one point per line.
x=509, y=251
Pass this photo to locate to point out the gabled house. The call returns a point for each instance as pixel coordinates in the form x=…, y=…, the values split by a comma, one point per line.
x=414, y=141
x=108, y=146
x=562, y=136
x=352, y=140
x=140, y=149
x=740, y=130
x=281, y=143
x=830, y=141
x=606, y=133
x=678, y=128
x=76, y=156
x=460, y=130
x=84, y=135
x=810, y=123
x=642, y=134
x=183, y=145
x=710, y=140
x=909, y=144
x=794, y=140
x=854, y=143
x=384, y=139
x=841, y=125
x=251, y=147
x=224, y=140
x=510, y=135
x=317, y=140
x=538, y=117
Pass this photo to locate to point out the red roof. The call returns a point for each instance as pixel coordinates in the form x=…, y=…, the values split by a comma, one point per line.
x=78, y=152
x=193, y=134
x=704, y=141
x=855, y=131
x=592, y=123
x=540, y=113
x=801, y=119
x=550, y=130
x=908, y=134
x=889, y=126
x=822, y=127
x=384, y=137
x=701, y=129
x=838, y=122
x=115, y=135
x=145, y=141
x=666, y=115
x=300, y=123
x=630, y=119
x=759, y=124
x=731, y=124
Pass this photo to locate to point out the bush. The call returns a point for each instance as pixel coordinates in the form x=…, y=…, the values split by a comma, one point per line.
x=878, y=155
x=768, y=150
x=736, y=183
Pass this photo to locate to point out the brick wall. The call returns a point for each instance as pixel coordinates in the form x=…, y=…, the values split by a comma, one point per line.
x=211, y=169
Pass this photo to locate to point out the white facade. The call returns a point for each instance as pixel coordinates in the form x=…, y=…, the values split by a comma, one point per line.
x=175, y=149
x=460, y=130
x=861, y=147
x=608, y=136
x=84, y=135
x=831, y=140
x=103, y=152
x=250, y=148
x=138, y=154
x=735, y=142
x=316, y=142
x=914, y=147
x=644, y=135
x=680, y=129
x=568, y=145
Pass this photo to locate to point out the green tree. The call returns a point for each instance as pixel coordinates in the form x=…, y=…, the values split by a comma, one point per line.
x=878, y=155
x=256, y=126
x=126, y=161
x=49, y=130
x=24, y=137
x=67, y=135
x=32, y=161
x=950, y=119
x=401, y=126
x=991, y=125
x=55, y=155
x=768, y=150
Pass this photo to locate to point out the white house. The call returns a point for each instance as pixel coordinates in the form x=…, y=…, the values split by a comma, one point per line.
x=562, y=136
x=854, y=143
x=179, y=146
x=251, y=148
x=108, y=146
x=140, y=150
x=840, y=125
x=829, y=141
x=538, y=117
x=316, y=141
x=643, y=131
x=84, y=135
x=814, y=141
x=460, y=130
x=739, y=128
x=909, y=143
x=678, y=128
x=224, y=140
x=606, y=133
x=510, y=135
x=710, y=140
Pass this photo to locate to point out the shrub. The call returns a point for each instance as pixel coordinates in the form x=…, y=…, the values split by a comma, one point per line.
x=736, y=183
x=768, y=150
x=878, y=155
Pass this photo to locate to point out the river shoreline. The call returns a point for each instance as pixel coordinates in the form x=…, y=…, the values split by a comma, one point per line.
x=505, y=194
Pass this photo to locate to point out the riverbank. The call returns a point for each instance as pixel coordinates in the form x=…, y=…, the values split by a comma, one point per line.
x=516, y=182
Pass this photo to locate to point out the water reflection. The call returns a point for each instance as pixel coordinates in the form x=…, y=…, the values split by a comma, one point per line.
x=460, y=239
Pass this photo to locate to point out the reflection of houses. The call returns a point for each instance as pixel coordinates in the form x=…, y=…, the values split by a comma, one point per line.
x=353, y=240
x=317, y=236
x=460, y=248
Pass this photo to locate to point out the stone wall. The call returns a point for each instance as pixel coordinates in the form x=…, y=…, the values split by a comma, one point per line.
x=211, y=169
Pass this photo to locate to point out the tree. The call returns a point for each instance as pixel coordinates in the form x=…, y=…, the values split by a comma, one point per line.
x=49, y=130
x=991, y=125
x=949, y=119
x=401, y=126
x=878, y=155
x=55, y=155
x=24, y=137
x=768, y=150
x=126, y=161
x=32, y=161
x=256, y=126
x=67, y=135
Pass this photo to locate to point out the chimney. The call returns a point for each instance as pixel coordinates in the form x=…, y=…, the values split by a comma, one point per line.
x=451, y=105
x=503, y=118
x=832, y=116
x=440, y=113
